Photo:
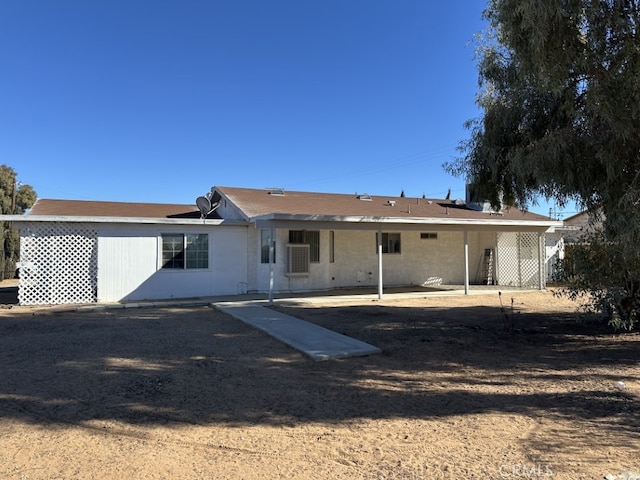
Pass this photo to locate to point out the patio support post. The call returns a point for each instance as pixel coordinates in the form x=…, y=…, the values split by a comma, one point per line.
x=271, y=257
x=379, y=264
x=466, y=262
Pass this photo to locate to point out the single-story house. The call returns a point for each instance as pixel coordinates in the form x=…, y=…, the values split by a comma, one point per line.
x=240, y=240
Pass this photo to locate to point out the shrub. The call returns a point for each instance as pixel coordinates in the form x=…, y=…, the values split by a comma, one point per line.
x=605, y=275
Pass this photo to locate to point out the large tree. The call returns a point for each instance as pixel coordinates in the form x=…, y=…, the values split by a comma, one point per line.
x=560, y=96
x=15, y=198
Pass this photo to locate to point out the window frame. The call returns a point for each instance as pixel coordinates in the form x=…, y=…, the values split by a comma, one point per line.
x=303, y=237
x=265, y=234
x=387, y=245
x=332, y=246
x=186, y=257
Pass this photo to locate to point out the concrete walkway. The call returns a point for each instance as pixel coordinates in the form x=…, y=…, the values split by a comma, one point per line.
x=314, y=341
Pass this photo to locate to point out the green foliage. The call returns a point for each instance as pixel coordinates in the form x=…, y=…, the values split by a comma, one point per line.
x=605, y=275
x=560, y=94
x=14, y=199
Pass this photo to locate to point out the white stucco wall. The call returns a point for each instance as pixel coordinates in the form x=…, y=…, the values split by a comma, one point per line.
x=554, y=252
x=129, y=264
x=421, y=261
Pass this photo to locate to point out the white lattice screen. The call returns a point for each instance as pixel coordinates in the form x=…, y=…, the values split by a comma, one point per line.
x=59, y=264
x=518, y=262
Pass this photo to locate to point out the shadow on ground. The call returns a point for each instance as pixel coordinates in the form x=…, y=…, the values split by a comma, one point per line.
x=8, y=295
x=199, y=366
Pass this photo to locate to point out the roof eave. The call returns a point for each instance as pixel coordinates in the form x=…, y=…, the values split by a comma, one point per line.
x=121, y=220
x=494, y=220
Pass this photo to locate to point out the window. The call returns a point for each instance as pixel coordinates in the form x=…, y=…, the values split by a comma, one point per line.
x=185, y=251
x=307, y=237
x=390, y=243
x=332, y=246
x=429, y=236
x=197, y=250
x=265, y=235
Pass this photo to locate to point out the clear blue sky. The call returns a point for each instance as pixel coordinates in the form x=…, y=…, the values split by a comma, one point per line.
x=159, y=100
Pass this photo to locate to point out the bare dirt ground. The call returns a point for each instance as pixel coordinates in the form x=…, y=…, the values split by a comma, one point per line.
x=194, y=394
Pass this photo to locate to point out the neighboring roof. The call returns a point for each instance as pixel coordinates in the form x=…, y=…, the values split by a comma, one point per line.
x=257, y=203
x=83, y=208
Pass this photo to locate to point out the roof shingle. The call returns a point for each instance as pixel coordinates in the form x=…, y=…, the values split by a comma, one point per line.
x=256, y=202
x=84, y=208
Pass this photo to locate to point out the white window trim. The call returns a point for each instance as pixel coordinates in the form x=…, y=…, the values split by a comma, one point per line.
x=161, y=269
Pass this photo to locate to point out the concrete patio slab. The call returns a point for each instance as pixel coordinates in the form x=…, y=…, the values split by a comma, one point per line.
x=316, y=342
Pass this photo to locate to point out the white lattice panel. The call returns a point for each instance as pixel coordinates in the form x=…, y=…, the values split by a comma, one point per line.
x=58, y=264
x=519, y=259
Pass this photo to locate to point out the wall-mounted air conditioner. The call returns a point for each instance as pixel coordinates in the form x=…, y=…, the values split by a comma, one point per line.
x=298, y=260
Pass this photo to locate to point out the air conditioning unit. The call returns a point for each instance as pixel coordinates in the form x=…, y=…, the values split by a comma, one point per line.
x=298, y=260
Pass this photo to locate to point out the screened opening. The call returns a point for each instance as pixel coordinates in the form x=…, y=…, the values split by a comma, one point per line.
x=429, y=236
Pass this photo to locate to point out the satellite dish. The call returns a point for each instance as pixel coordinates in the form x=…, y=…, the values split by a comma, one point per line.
x=205, y=206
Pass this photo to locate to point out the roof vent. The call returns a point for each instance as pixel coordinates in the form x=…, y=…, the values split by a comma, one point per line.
x=364, y=196
x=278, y=192
x=391, y=203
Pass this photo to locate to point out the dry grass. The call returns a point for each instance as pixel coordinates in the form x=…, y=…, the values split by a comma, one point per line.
x=193, y=393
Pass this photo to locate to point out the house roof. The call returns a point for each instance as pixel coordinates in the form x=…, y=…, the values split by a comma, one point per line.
x=84, y=211
x=261, y=204
x=83, y=208
x=294, y=209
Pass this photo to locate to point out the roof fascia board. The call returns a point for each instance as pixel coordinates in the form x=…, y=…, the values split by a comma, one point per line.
x=388, y=226
x=420, y=222
x=136, y=220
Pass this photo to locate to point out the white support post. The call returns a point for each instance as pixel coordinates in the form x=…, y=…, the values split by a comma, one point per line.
x=380, y=288
x=466, y=262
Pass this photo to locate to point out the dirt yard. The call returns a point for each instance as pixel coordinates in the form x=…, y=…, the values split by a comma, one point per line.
x=194, y=394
